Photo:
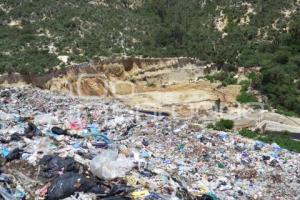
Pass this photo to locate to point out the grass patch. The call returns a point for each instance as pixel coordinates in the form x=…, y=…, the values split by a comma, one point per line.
x=222, y=125
x=227, y=78
x=248, y=133
x=245, y=96
x=287, y=113
x=282, y=140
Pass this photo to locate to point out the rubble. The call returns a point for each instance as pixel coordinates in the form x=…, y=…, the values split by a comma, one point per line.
x=55, y=146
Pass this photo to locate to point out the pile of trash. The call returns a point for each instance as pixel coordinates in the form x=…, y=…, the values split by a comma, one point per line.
x=63, y=147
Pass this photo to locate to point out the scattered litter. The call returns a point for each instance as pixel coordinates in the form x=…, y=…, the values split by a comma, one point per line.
x=82, y=148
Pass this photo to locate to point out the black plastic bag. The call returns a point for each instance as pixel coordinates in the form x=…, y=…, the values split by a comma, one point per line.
x=116, y=198
x=15, y=137
x=59, y=131
x=121, y=190
x=69, y=183
x=5, y=94
x=51, y=165
x=14, y=154
x=31, y=130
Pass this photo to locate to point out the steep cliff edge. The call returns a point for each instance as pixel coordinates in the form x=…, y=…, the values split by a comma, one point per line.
x=104, y=77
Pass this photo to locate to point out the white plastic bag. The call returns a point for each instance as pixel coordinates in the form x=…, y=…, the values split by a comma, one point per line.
x=45, y=119
x=109, y=165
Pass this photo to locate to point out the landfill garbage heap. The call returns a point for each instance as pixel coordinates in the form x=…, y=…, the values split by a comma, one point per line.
x=64, y=147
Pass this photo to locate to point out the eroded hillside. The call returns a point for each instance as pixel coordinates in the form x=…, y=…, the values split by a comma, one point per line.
x=41, y=36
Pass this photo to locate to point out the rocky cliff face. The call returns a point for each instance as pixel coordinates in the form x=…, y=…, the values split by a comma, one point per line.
x=119, y=76
x=116, y=76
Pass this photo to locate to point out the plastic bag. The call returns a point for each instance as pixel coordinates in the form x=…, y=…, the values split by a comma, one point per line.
x=6, y=195
x=31, y=130
x=37, y=148
x=14, y=154
x=45, y=119
x=7, y=117
x=69, y=183
x=223, y=136
x=109, y=165
x=58, y=131
x=53, y=165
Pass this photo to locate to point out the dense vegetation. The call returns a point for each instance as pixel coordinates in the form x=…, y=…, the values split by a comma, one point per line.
x=222, y=125
x=246, y=96
x=282, y=140
x=226, y=78
x=265, y=33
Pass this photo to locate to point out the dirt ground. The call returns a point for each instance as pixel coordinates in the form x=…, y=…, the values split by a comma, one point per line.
x=182, y=99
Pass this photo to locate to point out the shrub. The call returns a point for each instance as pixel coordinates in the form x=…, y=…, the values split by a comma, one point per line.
x=223, y=125
x=246, y=97
x=248, y=133
x=282, y=57
x=210, y=125
x=227, y=78
x=245, y=85
x=286, y=112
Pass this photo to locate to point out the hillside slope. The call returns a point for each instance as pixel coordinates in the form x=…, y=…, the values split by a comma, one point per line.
x=36, y=36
